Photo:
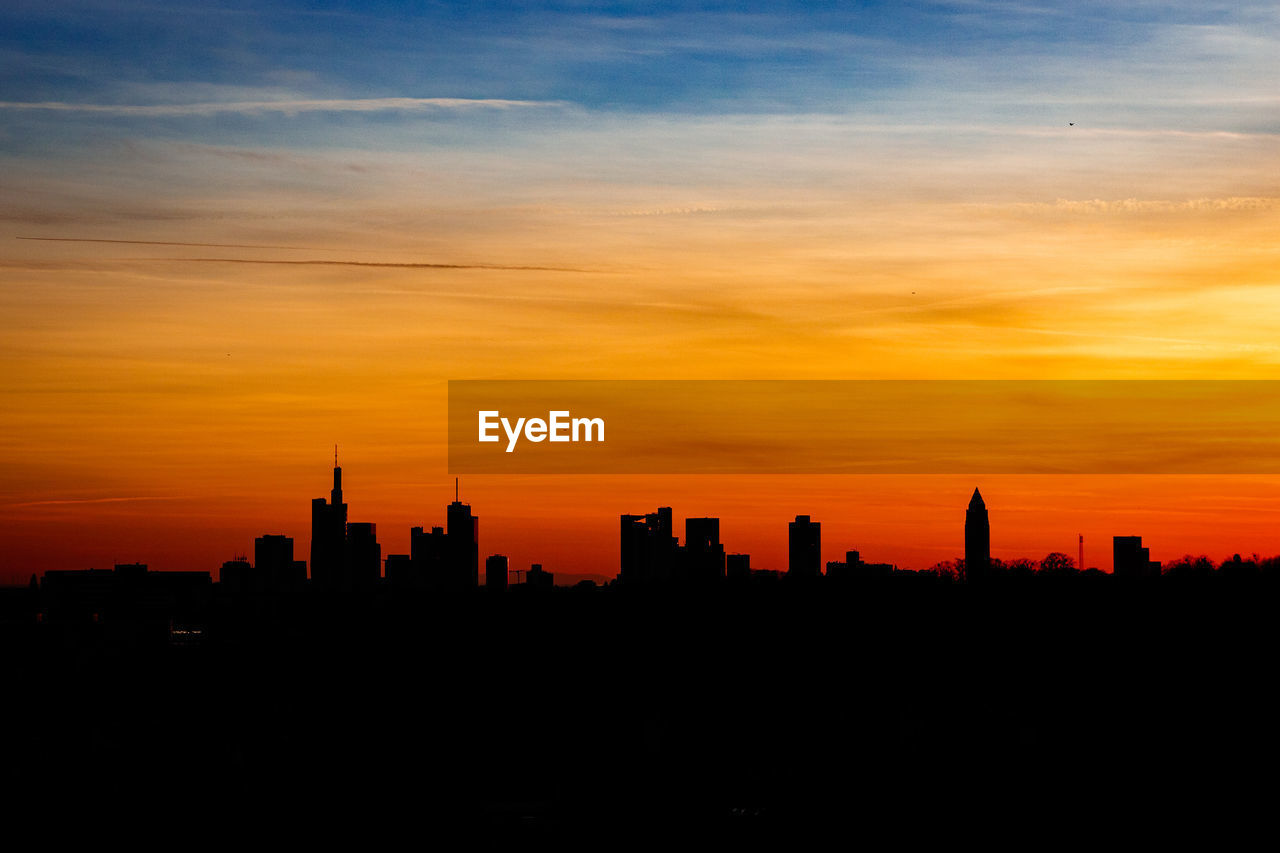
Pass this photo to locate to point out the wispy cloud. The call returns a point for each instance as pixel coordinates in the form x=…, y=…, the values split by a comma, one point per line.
x=1146, y=206
x=161, y=243
x=288, y=107
x=79, y=501
x=414, y=266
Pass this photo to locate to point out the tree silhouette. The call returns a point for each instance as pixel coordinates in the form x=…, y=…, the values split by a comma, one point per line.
x=1239, y=568
x=1057, y=563
x=1188, y=566
x=1021, y=567
x=948, y=569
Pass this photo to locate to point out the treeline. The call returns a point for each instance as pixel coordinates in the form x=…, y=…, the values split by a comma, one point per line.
x=1057, y=563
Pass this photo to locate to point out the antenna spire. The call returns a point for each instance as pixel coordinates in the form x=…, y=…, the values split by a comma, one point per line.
x=335, y=456
x=455, y=489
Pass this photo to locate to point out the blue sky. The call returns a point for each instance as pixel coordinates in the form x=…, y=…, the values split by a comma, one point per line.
x=1120, y=64
x=679, y=101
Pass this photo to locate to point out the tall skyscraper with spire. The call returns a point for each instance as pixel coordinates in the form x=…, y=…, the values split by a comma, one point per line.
x=462, y=543
x=977, y=539
x=329, y=534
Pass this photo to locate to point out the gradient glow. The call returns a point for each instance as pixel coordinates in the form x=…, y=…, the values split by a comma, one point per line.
x=328, y=210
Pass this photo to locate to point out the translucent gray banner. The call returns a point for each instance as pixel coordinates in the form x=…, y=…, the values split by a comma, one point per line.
x=864, y=426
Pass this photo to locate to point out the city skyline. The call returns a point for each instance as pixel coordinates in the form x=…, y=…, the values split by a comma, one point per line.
x=346, y=554
x=750, y=237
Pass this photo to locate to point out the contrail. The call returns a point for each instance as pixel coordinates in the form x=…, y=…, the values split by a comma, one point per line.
x=287, y=107
x=162, y=243
x=70, y=501
x=423, y=266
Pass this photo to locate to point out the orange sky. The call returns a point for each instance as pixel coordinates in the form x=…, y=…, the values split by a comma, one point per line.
x=169, y=410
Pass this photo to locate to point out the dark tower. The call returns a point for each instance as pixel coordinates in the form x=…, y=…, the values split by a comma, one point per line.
x=462, y=534
x=1131, y=560
x=364, y=556
x=703, y=553
x=495, y=572
x=804, y=548
x=329, y=534
x=977, y=539
x=648, y=548
x=428, y=551
x=274, y=565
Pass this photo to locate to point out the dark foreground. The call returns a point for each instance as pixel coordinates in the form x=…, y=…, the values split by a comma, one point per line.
x=1083, y=709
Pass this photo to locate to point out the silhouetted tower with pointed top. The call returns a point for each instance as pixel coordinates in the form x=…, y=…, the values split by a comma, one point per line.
x=977, y=539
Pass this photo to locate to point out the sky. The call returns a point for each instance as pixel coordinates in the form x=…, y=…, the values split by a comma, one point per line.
x=235, y=234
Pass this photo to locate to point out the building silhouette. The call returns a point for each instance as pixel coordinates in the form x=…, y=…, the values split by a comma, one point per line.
x=853, y=568
x=538, y=578
x=1131, y=560
x=398, y=570
x=363, y=556
x=329, y=535
x=274, y=571
x=462, y=545
x=344, y=555
x=496, y=568
x=704, y=559
x=977, y=539
x=235, y=576
x=274, y=565
x=737, y=567
x=125, y=593
x=804, y=548
x=648, y=548
x=427, y=557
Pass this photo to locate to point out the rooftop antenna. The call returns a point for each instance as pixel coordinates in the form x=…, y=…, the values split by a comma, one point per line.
x=335, y=456
x=1081, y=564
x=455, y=489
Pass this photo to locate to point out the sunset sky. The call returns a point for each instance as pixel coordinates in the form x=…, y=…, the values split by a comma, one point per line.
x=235, y=234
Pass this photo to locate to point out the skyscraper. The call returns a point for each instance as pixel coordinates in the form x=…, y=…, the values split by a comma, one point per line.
x=648, y=550
x=428, y=552
x=274, y=565
x=804, y=548
x=445, y=558
x=495, y=571
x=329, y=534
x=1130, y=560
x=977, y=539
x=703, y=553
x=462, y=535
x=364, y=556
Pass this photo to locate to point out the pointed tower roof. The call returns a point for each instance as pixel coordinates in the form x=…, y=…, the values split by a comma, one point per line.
x=976, y=501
